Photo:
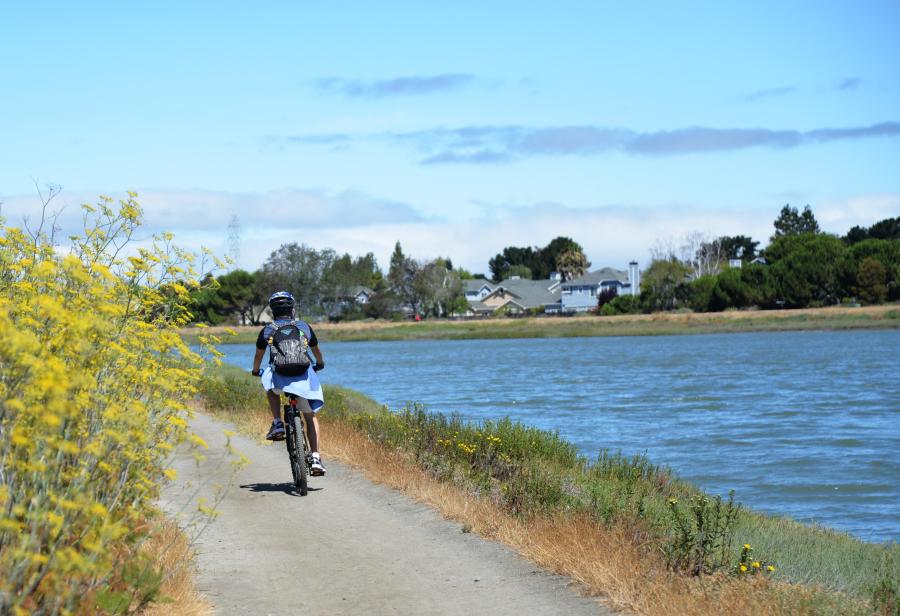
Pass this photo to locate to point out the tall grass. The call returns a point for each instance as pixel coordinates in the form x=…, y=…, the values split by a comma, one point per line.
x=94, y=387
x=534, y=477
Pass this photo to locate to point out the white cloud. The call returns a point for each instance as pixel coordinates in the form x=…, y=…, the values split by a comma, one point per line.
x=839, y=215
x=201, y=210
x=610, y=235
x=357, y=223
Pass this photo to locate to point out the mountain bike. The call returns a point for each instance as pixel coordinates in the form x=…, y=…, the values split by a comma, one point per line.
x=297, y=444
x=299, y=451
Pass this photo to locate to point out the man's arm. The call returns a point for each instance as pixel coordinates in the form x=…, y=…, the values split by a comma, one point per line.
x=257, y=360
x=320, y=361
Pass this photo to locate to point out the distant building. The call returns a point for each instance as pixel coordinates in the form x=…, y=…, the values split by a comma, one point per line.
x=478, y=289
x=515, y=295
x=580, y=294
x=634, y=279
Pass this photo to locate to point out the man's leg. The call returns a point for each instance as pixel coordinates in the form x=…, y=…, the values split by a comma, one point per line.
x=276, y=432
x=317, y=469
x=274, y=404
x=312, y=429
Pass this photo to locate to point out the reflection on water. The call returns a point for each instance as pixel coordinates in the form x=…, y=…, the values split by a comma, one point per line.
x=804, y=423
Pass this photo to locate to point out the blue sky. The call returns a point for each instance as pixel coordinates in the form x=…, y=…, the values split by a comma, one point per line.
x=456, y=128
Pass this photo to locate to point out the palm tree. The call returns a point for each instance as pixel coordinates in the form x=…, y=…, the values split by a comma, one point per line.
x=572, y=264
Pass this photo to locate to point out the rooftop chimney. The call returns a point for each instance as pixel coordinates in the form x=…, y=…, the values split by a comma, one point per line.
x=634, y=278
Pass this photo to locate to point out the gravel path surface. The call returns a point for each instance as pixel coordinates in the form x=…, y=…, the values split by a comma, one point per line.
x=349, y=547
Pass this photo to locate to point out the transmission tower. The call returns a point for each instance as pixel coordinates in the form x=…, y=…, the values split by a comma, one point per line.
x=234, y=240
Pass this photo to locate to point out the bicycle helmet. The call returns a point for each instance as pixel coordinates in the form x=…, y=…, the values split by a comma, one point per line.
x=281, y=302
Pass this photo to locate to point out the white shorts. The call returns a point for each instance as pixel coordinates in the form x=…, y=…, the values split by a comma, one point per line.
x=306, y=387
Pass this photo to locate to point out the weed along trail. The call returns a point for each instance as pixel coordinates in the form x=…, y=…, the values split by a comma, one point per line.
x=349, y=547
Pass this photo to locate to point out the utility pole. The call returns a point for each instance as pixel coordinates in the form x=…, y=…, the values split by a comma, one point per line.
x=234, y=241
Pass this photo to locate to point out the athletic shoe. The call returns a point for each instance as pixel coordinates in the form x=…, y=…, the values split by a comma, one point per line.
x=316, y=469
x=276, y=432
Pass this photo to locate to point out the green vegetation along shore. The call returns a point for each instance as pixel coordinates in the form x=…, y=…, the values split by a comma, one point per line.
x=533, y=474
x=661, y=324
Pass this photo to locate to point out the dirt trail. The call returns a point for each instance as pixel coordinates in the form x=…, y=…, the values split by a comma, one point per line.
x=349, y=547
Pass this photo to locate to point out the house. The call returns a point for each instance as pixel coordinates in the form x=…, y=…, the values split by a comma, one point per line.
x=360, y=294
x=517, y=295
x=581, y=294
x=354, y=297
x=477, y=289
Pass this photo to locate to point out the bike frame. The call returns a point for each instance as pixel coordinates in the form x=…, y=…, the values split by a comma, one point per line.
x=297, y=444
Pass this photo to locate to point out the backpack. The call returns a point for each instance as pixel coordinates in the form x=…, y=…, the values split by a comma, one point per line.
x=288, y=345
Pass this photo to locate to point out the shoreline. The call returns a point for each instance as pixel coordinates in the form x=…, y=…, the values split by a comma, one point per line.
x=824, y=567
x=588, y=325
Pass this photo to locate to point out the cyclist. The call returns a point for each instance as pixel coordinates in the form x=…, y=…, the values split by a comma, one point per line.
x=306, y=386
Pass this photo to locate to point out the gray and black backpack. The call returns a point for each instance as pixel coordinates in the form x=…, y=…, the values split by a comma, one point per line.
x=288, y=346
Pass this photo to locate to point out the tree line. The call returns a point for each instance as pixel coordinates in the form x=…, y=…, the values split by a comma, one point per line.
x=801, y=267
x=323, y=282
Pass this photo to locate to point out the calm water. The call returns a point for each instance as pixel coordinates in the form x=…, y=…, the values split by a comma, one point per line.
x=805, y=424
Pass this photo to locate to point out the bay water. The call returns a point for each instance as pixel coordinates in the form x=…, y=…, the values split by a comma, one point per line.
x=804, y=424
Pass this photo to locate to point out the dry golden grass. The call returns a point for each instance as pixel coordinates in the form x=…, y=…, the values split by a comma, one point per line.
x=171, y=553
x=610, y=564
x=352, y=329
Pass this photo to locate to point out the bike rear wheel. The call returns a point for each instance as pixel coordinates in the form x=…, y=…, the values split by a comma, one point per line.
x=298, y=455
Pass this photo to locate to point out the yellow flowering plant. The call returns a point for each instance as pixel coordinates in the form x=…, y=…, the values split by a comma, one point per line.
x=95, y=383
x=750, y=564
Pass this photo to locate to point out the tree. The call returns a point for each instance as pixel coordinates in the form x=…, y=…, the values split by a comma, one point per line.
x=659, y=284
x=464, y=274
x=807, y=269
x=300, y=269
x=698, y=294
x=730, y=291
x=206, y=303
x=512, y=256
x=522, y=271
x=571, y=264
x=738, y=247
x=239, y=294
x=541, y=261
x=382, y=303
x=886, y=252
x=398, y=263
x=701, y=253
x=792, y=222
x=549, y=255
x=344, y=274
x=871, y=281
x=887, y=229
x=438, y=287
x=407, y=280
x=623, y=304
x=605, y=296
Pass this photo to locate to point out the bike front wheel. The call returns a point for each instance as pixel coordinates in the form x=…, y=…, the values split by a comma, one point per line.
x=298, y=456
